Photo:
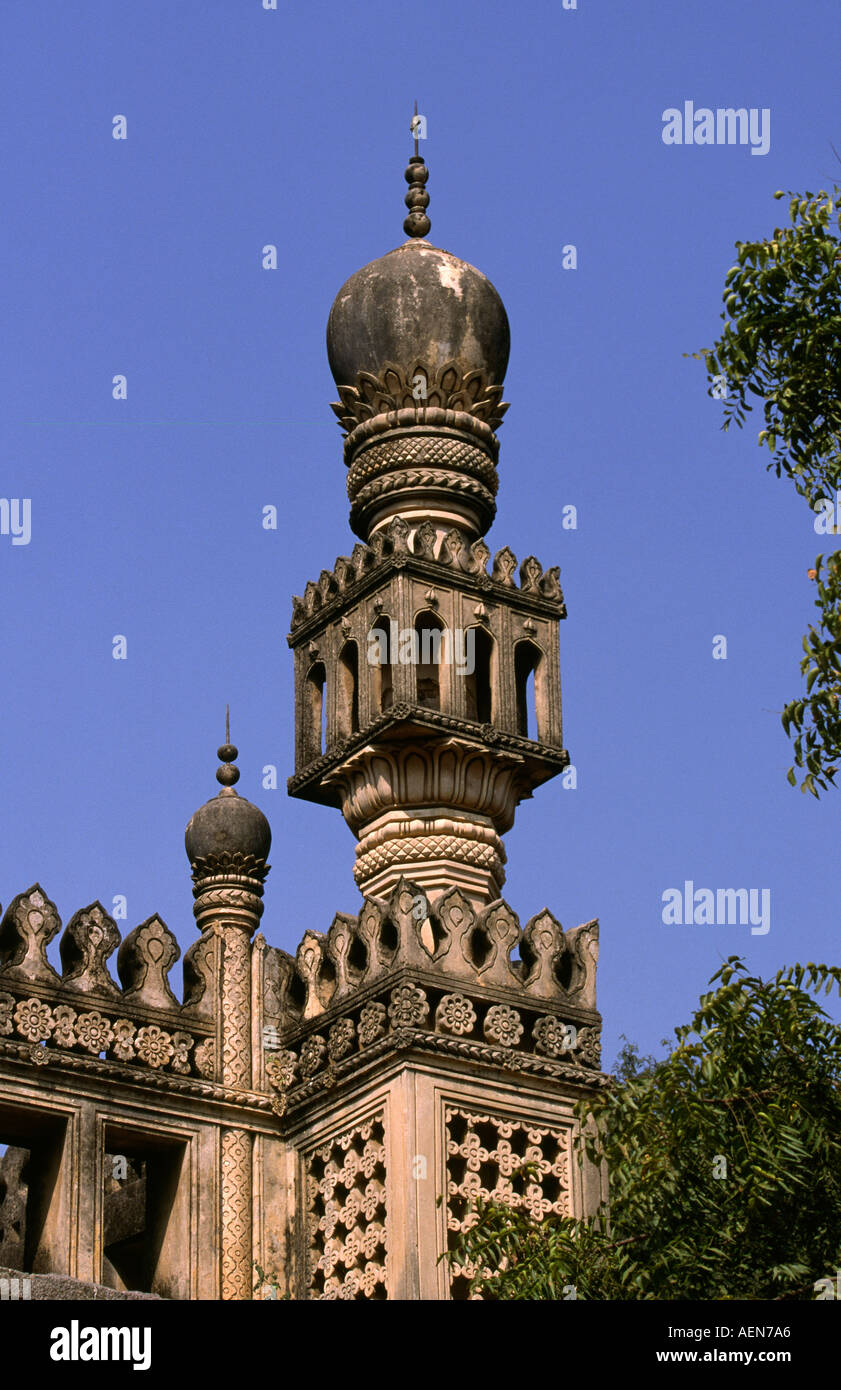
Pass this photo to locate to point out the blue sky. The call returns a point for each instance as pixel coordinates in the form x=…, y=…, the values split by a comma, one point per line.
x=142, y=257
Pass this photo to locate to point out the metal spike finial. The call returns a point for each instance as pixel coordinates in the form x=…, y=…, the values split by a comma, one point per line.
x=227, y=774
x=417, y=224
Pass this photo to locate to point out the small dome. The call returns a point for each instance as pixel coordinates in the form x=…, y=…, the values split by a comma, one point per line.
x=417, y=303
x=227, y=826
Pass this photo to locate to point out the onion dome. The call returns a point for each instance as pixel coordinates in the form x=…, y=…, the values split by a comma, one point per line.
x=418, y=344
x=228, y=833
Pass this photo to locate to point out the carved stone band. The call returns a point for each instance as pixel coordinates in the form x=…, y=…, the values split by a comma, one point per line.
x=420, y=449
x=237, y=906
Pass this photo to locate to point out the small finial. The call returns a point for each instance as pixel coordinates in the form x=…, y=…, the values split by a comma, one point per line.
x=227, y=774
x=414, y=129
x=417, y=224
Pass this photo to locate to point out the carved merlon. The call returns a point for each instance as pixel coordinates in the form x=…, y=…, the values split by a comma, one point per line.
x=398, y=544
x=28, y=926
x=436, y=965
x=144, y=961
x=90, y=937
x=84, y=1014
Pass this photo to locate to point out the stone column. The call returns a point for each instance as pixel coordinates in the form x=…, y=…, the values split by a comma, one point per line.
x=227, y=843
x=231, y=903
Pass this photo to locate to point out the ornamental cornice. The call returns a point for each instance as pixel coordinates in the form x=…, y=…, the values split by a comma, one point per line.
x=45, y=1059
x=486, y=736
x=289, y=1102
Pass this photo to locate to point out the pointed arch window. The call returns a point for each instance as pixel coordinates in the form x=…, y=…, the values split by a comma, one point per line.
x=479, y=655
x=529, y=669
x=381, y=659
x=347, y=691
x=429, y=653
x=314, y=711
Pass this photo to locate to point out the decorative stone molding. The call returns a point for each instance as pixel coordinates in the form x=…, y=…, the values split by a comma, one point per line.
x=408, y=776
x=236, y=1214
x=449, y=388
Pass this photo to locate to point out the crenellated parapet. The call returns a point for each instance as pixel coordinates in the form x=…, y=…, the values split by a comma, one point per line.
x=83, y=1012
x=435, y=976
x=429, y=551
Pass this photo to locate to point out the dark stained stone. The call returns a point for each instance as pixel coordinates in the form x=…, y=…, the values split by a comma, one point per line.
x=227, y=825
x=417, y=303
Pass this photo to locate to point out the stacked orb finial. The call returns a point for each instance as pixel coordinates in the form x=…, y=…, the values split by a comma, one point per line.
x=228, y=774
x=417, y=224
x=227, y=829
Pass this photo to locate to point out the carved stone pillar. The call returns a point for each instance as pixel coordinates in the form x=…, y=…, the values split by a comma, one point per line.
x=236, y=1214
x=227, y=843
x=231, y=904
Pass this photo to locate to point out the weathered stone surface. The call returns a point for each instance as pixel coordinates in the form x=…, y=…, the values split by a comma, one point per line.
x=417, y=302
x=61, y=1286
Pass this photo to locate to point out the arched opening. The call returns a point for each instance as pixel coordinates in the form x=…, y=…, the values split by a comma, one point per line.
x=430, y=651
x=478, y=655
x=380, y=659
x=528, y=673
x=314, y=712
x=347, y=691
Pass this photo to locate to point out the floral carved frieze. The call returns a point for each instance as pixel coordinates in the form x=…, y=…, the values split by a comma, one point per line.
x=144, y=961
x=93, y=1032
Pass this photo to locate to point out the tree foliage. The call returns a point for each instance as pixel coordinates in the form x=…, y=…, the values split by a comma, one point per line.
x=781, y=342
x=724, y=1163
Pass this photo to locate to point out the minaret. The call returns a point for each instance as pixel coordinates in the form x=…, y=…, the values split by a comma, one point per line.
x=428, y=1046
x=415, y=667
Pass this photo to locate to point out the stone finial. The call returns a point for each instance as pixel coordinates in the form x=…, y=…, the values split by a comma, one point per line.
x=228, y=773
x=417, y=224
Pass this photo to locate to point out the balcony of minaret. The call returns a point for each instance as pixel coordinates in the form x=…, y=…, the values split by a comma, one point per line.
x=427, y=694
x=429, y=636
